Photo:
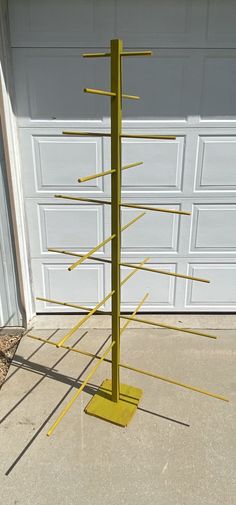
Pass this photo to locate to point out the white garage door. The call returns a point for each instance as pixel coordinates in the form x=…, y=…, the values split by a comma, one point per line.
x=188, y=88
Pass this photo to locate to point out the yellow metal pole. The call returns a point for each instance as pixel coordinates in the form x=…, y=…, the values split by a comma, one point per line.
x=72, y=400
x=116, y=122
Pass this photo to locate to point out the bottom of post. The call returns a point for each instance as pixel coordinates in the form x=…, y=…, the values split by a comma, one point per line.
x=119, y=413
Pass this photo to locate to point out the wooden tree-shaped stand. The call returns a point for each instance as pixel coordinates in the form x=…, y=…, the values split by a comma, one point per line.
x=116, y=402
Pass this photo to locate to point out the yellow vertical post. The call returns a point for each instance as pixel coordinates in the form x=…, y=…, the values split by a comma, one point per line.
x=116, y=121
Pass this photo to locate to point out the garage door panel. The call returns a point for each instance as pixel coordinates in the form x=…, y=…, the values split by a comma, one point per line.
x=33, y=23
x=165, y=22
x=220, y=293
x=213, y=229
x=72, y=227
x=166, y=85
x=59, y=161
x=84, y=286
x=187, y=85
x=46, y=89
x=187, y=89
x=161, y=288
x=150, y=176
x=50, y=84
x=216, y=161
x=155, y=233
x=221, y=21
x=52, y=163
x=218, y=97
x=151, y=18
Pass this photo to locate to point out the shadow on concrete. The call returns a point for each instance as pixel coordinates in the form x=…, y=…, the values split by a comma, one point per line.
x=75, y=384
x=30, y=356
x=50, y=372
x=164, y=417
x=42, y=370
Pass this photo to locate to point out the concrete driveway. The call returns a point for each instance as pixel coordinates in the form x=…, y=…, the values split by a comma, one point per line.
x=179, y=449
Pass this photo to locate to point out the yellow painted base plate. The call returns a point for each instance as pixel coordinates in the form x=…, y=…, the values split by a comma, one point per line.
x=119, y=413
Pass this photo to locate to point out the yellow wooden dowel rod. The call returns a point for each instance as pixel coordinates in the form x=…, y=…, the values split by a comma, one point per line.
x=136, y=53
x=131, y=265
x=127, y=225
x=131, y=97
x=95, y=176
x=72, y=400
x=82, y=307
x=86, y=256
x=86, y=134
x=77, y=255
x=130, y=135
x=131, y=165
x=134, y=369
x=147, y=136
x=96, y=55
x=74, y=306
x=164, y=272
x=107, y=172
x=83, y=199
x=175, y=328
x=173, y=381
x=99, y=92
x=67, y=347
x=107, y=202
x=109, y=93
x=156, y=209
x=133, y=272
x=134, y=313
x=123, y=53
x=84, y=319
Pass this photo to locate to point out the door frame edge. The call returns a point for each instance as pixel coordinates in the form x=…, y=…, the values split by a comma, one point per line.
x=13, y=172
